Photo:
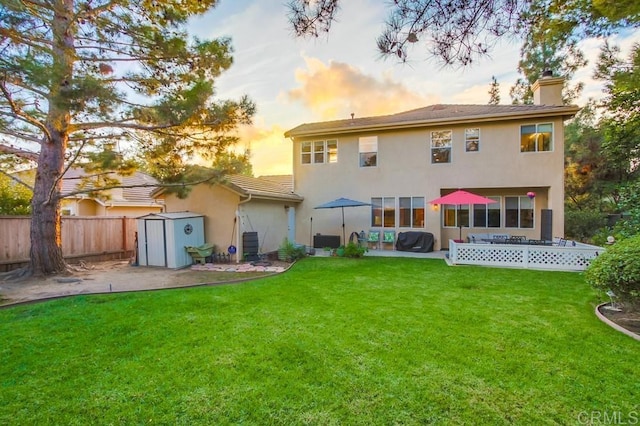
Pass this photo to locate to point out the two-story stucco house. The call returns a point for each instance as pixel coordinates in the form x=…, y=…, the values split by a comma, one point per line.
x=399, y=162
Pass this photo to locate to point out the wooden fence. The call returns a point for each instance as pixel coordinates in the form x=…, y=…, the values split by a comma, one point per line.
x=83, y=238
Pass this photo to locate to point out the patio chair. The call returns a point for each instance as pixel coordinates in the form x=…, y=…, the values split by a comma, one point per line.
x=389, y=237
x=374, y=238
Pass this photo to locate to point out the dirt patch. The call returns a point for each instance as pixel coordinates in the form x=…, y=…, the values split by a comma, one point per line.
x=119, y=276
x=629, y=320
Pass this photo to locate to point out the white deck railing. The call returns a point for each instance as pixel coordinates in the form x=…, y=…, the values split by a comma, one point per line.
x=570, y=258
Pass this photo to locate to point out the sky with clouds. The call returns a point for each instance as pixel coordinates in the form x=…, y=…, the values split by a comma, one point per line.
x=295, y=81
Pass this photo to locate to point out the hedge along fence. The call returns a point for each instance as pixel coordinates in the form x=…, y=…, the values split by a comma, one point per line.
x=83, y=238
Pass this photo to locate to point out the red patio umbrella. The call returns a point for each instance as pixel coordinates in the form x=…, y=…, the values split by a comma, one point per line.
x=460, y=198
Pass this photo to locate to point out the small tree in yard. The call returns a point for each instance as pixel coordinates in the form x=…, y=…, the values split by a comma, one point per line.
x=618, y=270
x=76, y=77
x=15, y=198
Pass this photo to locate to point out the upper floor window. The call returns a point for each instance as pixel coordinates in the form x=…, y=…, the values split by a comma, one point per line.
x=368, y=149
x=441, y=146
x=536, y=137
x=411, y=212
x=319, y=152
x=332, y=151
x=472, y=140
x=518, y=212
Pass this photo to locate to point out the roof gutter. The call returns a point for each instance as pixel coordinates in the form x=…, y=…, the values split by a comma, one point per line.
x=565, y=113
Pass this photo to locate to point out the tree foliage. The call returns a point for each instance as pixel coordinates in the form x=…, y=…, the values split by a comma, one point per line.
x=15, y=198
x=79, y=77
x=586, y=172
x=234, y=163
x=547, y=54
x=494, y=92
x=459, y=31
x=602, y=147
x=621, y=105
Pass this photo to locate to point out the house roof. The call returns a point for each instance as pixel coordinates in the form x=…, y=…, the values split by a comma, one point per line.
x=140, y=195
x=275, y=188
x=284, y=180
x=433, y=115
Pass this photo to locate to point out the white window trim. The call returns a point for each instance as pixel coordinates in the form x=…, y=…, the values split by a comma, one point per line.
x=479, y=139
x=457, y=215
x=395, y=213
x=312, y=152
x=377, y=151
x=424, y=208
x=450, y=147
x=504, y=210
x=552, y=142
x=500, y=207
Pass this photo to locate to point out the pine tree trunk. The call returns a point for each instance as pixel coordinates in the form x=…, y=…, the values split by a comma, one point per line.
x=46, y=234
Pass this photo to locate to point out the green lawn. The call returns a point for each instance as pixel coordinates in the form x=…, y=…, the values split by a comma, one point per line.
x=332, y=341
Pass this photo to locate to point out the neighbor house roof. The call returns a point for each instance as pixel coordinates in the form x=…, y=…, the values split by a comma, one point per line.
x=284, y=180
x=433, y=115
x=265, y=187
x=139, y=195
x=280, y=188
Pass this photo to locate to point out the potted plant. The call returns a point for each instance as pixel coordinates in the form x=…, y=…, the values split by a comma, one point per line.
x=340, y=251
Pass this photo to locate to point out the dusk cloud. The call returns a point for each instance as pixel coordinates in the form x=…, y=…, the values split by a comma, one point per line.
x=335, y=90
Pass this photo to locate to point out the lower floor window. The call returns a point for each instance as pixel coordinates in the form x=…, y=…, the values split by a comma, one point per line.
x=411, y=212
x=383, y=212
x=518, y=212
x=487, y=216
x=455, y=216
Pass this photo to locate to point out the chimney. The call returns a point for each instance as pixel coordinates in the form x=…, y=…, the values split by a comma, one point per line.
x=548, y=89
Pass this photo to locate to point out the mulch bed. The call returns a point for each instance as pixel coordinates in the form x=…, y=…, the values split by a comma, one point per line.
x=627, y=319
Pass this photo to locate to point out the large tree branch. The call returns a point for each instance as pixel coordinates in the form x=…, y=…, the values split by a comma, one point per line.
x=66, y=169
x=37, y=3
x=21, y=114
x=144, y=185
x=17, y=38
x=15, y=179
x=123, y=124
x=25, y=137
x=27, y=155
x=20, y=83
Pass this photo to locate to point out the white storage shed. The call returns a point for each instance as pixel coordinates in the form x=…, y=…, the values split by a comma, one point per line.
x=162, y=238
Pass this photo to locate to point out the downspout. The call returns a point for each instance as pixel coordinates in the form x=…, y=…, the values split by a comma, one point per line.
x=238, y=228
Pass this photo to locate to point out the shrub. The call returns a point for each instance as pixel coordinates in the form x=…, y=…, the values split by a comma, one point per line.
x=582, y=225
x=289, y=251
x=354, y=250
x=618, y=270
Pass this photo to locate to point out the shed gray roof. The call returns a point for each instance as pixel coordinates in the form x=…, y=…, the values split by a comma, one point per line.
x=171, y=216
x=433, y=115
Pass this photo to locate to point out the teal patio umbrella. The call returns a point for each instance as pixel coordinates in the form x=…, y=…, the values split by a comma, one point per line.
x=341, y=203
